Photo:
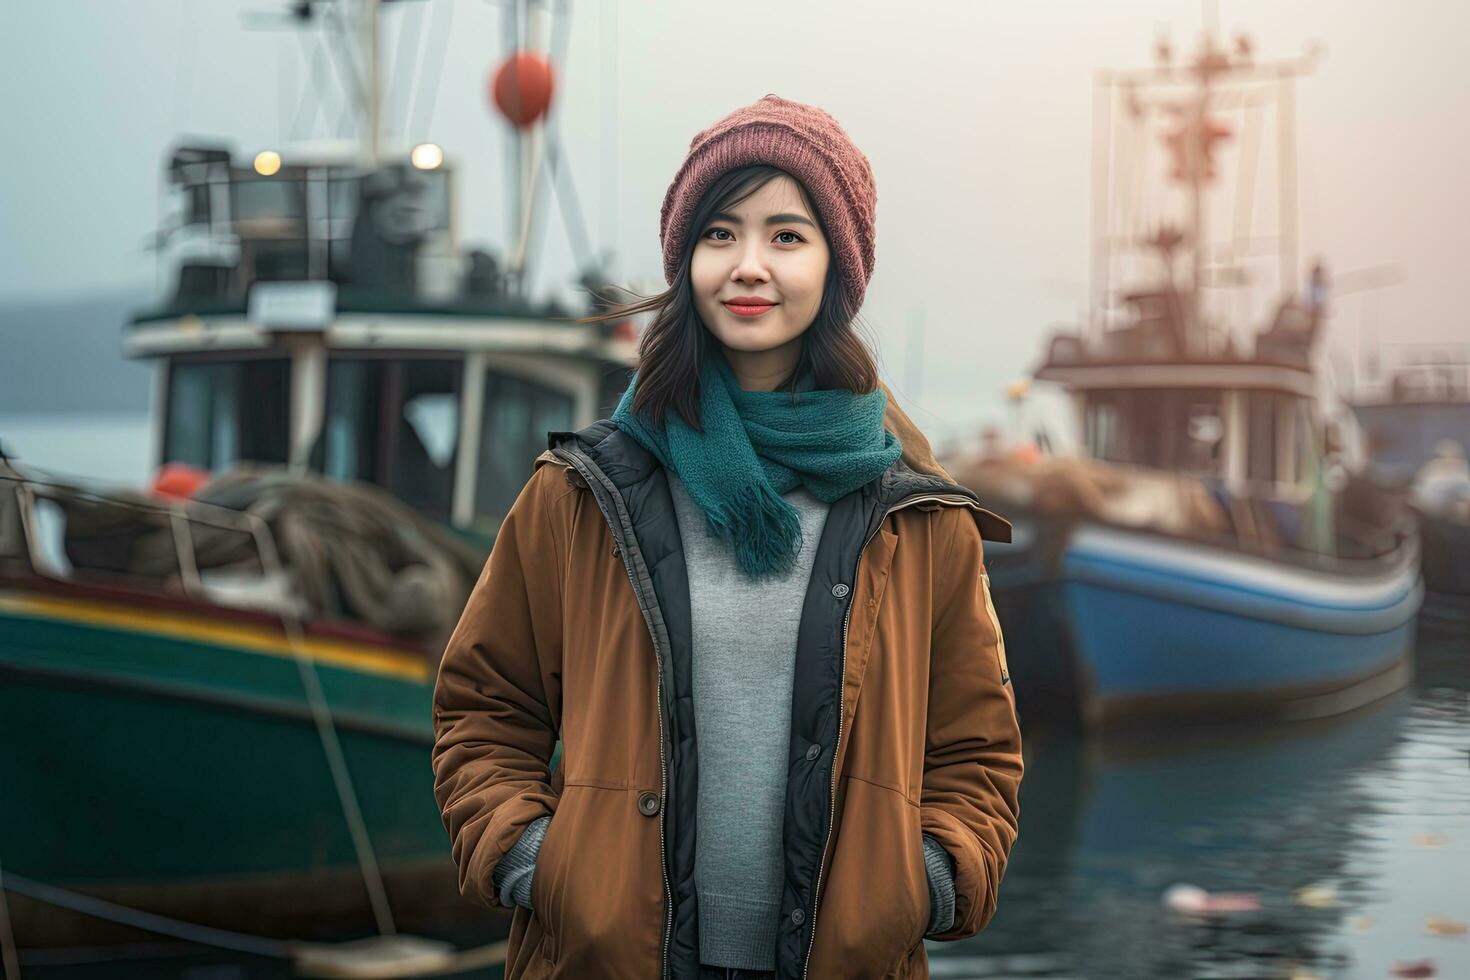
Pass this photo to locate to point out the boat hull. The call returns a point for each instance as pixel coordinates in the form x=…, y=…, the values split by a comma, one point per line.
x=170, y=762
x=1446, y=566
x=1114, y=627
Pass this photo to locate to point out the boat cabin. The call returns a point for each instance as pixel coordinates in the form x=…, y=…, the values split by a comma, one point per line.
x=1142, y=398
x=324, y=317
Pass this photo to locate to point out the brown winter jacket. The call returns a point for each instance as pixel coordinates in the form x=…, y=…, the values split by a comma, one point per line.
x=579, y=628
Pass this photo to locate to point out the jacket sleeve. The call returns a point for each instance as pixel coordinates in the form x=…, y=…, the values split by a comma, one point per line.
x=970, y=800
x=497, y=699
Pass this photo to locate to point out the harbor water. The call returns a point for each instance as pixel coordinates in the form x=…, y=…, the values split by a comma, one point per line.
x=1348, y=832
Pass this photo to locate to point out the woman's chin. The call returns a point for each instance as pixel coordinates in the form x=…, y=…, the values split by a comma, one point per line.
x=750, y=337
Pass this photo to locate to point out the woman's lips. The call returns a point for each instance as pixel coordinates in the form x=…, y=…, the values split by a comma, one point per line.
x=750, y=309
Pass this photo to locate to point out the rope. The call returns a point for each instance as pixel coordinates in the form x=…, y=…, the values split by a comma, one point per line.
x=319, y=957
x=147, y=921
x=7, y=936
x=341, y=778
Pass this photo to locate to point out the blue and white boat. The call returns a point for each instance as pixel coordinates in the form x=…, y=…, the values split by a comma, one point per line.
x=1416, y=427
x=1209, y=553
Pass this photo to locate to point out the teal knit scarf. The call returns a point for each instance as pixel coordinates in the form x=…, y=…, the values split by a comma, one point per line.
x=757, y=445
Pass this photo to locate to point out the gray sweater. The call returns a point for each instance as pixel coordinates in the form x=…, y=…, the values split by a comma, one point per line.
x=743, y=672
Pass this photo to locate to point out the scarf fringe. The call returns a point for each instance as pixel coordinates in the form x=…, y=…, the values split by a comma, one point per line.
x=763, y=530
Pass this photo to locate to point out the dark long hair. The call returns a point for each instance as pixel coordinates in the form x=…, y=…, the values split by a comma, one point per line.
x=673, y=346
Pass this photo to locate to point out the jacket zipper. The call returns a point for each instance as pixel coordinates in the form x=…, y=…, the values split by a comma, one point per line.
x=615, y=525
x=951, y=498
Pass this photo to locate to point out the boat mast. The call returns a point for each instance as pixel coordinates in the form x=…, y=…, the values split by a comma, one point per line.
x=527, y=147
x=1195, y=165
x=1211, y=76
x=372, y=99
x=358, y=23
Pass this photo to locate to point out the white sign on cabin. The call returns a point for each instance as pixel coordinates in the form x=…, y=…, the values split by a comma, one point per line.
x=293, y=305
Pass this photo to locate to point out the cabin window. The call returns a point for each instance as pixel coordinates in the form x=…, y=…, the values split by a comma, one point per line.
x=348, y=449
x=394, y=423
x=274, y=199
x=196, y=204
x=1280, y=435
x=223, y=412
x=518, y=412
x=270, y=220
x=1104, y=433
x=1261, y=445
x=342, y=200
x=1181, y=430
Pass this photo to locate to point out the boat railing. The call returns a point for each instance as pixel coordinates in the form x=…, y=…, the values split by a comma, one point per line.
x=134, y=534
x=196, y=550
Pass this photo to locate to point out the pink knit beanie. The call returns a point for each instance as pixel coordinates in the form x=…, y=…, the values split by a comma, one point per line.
x=807, y=143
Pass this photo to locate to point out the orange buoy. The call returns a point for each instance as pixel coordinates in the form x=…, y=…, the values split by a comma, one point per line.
x=179, y=480
x=521, y=88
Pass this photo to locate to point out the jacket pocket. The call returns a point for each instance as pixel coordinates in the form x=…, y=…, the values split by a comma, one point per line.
x=925, y=904
x=875, y=903
x=601, y=899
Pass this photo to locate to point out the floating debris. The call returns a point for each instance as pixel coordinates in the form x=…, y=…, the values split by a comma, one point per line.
x=1363, y=923
x=1431, y=840
x=1414, y=968
x=1193, y=899
x=1441, y=926
x=1317, y=897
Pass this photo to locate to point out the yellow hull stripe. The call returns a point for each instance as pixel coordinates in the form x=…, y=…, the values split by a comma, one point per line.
x=201, y=629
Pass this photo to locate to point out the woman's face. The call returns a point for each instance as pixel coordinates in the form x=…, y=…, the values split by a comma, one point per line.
x=768, y=248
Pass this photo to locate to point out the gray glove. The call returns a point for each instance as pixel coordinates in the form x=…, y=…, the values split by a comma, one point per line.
x=939, y=867
x=515, y=872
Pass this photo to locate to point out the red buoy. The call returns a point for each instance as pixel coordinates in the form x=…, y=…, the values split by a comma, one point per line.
x=522, y=87
x=179, y=480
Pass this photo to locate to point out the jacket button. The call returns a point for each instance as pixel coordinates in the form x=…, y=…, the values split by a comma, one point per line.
x=839, y=590
x=813, y=752
x=648, y=804
x=798, y=916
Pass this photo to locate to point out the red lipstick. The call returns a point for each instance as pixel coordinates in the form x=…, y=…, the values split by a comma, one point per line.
x=748, y=305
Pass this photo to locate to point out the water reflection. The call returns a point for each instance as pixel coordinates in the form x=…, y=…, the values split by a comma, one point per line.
x=1371, y=808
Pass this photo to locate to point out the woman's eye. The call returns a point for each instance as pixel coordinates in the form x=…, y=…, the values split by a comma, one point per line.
x=725, y=231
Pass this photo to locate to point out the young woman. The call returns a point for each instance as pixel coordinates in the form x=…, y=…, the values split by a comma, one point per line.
x=755, y=611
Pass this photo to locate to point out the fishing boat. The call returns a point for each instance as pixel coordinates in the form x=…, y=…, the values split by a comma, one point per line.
x=196, y=727
x=1208, y=554
x=1416, y=426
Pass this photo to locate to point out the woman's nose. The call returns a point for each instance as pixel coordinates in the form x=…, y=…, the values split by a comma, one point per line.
x=750, y=265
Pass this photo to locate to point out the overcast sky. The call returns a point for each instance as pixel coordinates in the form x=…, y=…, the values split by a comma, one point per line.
x=976, y=117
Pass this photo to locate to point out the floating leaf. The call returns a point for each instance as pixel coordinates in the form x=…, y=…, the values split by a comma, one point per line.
x=1414, y=968
x=1431, y=840
x=1317, y=897
x=1440, y=926
x=1363, y=923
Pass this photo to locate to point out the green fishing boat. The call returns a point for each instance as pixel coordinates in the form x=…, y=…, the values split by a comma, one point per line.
x=215, y=692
